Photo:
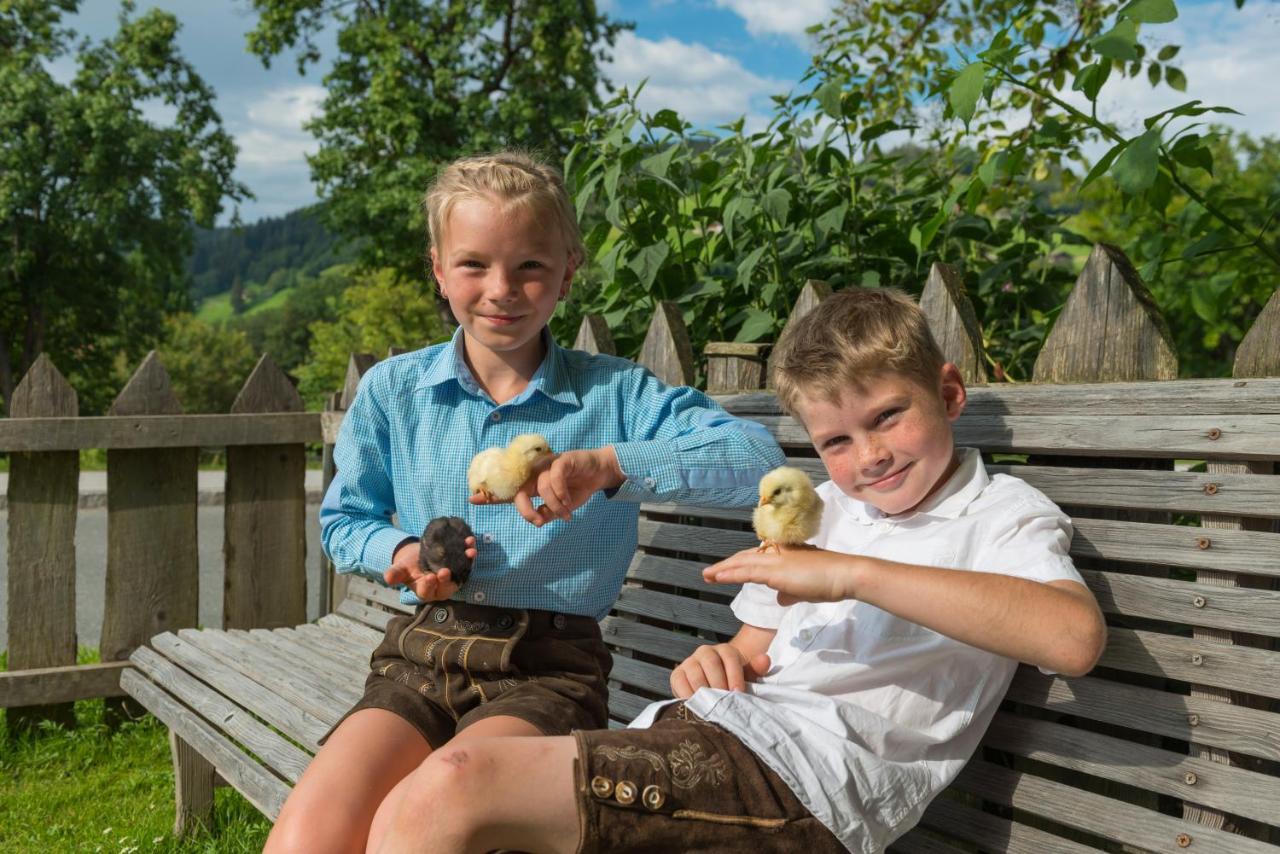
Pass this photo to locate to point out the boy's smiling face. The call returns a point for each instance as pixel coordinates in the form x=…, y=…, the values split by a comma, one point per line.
x=502, y=267
x=888, y=441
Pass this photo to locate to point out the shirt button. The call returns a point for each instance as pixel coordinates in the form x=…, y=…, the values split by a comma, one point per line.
x=488, y=538
x=496, y=416
x=650, y=483
x=478, y=596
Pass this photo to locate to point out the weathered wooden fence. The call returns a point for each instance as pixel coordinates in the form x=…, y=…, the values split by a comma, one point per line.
x=1109, y=330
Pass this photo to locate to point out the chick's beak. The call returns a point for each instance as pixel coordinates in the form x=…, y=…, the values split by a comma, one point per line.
x=764, y=499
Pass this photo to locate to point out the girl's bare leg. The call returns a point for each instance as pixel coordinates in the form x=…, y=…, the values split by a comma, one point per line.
x=333, y=804
x=480, y=794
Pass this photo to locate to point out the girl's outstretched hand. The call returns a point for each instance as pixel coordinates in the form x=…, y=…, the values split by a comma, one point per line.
x=799, y=573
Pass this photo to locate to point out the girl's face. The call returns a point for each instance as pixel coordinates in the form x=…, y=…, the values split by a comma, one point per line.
x=502, y=268
x=888, y=442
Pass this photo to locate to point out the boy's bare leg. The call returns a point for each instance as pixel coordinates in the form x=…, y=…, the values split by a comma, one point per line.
x=500, y=726
x=480, y=794
x=334, y=802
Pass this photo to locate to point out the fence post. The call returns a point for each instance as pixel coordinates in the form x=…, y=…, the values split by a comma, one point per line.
x=733, y=368
x=327, y=471
x=43, y=494
x=594, y=336
x=954, y=323
x=666, y=350
x=1257, y=356
x=813, y=292
x=357, y=365
x=152, y=556
x=265, y=542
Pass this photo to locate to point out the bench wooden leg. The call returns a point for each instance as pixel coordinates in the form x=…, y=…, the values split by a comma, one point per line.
x=193, y=779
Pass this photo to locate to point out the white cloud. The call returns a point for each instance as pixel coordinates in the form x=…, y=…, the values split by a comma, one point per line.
x=271, y=132
x=703, y=86
x=775, y=17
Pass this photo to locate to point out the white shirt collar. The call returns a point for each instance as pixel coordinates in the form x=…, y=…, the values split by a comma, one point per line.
x=965, y=484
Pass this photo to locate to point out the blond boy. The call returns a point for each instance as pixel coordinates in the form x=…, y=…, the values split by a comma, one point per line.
x=867, y=666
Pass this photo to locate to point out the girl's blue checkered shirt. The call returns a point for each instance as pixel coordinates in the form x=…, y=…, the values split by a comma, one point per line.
x=419, y=418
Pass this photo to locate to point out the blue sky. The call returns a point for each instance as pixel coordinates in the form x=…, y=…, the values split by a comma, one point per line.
x=711, y=60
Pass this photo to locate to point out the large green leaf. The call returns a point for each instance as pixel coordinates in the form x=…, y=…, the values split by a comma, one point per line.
x=1135, y=169
x=777, y=204
x=757, y=325
x=659, y=164
x=648, y=261
x=966, y=89
x=1119, y=42
x=748, y=265
x=1150, y=11
x=1090, y=78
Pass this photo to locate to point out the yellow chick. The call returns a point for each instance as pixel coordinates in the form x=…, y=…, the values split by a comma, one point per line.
x=789, y=510
x=496, y=473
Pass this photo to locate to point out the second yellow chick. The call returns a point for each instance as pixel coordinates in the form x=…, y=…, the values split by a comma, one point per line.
x=496, y=473
x=789, y=511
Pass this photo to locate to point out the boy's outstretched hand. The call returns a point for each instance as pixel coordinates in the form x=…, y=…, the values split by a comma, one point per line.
x=427, y=586
x=565, y=483
x=721, y=665
x=799, y=573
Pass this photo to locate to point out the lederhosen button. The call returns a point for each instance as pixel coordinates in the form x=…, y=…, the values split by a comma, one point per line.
x=625, y=793
x=440, y=615
x=559, y=622
x=601, y=787
x=652, y=797
x=505, y=621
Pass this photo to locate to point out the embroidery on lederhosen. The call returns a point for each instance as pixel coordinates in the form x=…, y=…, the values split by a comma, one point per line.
x=688, y=767
x=472, y=628
x=471, y=680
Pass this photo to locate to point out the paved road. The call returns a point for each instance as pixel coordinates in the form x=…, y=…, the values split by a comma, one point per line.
x=91, y=554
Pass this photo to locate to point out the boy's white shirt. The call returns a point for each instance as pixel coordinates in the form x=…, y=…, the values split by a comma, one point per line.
x=866, y=716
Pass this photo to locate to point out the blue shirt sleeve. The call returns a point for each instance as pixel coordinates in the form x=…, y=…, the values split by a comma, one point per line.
x=355, y=516
x=683, y=447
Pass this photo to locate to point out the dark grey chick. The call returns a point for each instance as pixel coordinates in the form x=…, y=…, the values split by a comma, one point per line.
x=444, y=544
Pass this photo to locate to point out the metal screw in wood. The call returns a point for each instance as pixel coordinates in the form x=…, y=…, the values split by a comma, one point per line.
x=1214, y=433
x=1211, y=489
x=1198, y=601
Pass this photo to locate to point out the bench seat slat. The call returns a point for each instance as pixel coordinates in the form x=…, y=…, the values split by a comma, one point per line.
x=921, y=841
x=343, y=647
x=1220, y=665
x=335, y=675
x=378, y=593
x=1227, y=726
x=240, y=726
x=279, y=711
x=624, y=706
x=1238, y=609
x=270, y=656
x=1110, y=818
x=1225, y=787
x=1240, y=437
x=686, y=574
x=973, y=825
x=261, y=788
x=312, y=698
x=641, y=674
x=350, y=629
x=363, y=614
x=681, y=610
x=650, y=640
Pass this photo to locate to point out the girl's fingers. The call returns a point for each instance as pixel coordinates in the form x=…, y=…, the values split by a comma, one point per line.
x=680, y=686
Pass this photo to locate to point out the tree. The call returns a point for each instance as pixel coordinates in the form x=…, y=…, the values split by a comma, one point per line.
x=97, y=201
x=420, y=82
x=380, y=311
x=207, y=364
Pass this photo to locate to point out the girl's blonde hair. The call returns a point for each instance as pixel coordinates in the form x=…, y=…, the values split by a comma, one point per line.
x=513, y=178
x=853, y=335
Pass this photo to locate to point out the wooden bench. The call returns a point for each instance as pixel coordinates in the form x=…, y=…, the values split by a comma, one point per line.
x=1172, y=744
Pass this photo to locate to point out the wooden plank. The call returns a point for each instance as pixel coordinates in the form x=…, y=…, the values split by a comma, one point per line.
x=666, y=350
x=651, y=640
x=1150, y=398
x=194, y=779
x=1173, y=491
x=261, y=788
x=269, y=675
x=954, y=323
x=1109, y=818
x=922, y=841
x=1229, y=727
x=625, y=706
x=264, y=532
x=358, y=633
x=734, y=367
x=332, y=644
x=594, y=336
x=228, y=718
x=1234, y=790
x=158, y=431
x=271, y=664
x=994, y=833
x=1190, y=660
x=329, y=593
x=42, y=498
x=685, y=574
x=1246, y=552
x=677, y=609
x=379, y=593
x=44, y=685
x=1198, y=437
x=811, y=294
x=373, y=617
x=641, y=674
x=337, y=679
x=1197, y=604
x=277, y=710
x=152, y=561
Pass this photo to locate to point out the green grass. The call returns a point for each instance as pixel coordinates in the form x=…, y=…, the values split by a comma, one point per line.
x=217, y=309
x=95, y=789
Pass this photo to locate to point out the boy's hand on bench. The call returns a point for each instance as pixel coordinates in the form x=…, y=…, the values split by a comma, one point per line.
x=427, y=586
x=565, y=483
x=798, y=573
x=721, y=665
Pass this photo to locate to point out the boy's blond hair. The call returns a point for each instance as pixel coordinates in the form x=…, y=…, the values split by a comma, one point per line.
x=853, y=335
x=512, y=178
